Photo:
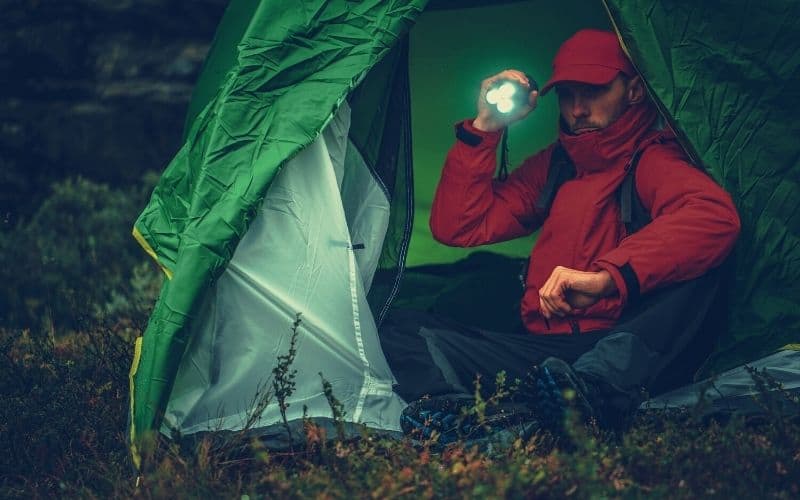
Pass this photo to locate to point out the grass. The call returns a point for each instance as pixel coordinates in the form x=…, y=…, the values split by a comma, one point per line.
x=63, y=415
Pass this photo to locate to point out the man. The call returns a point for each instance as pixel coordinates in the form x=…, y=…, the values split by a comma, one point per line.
x=605, y=311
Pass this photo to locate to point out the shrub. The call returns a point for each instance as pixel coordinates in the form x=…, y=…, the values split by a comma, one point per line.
x=63, y=409
x=75, y=261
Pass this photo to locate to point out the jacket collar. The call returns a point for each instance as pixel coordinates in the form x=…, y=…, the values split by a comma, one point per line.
x=611, y=146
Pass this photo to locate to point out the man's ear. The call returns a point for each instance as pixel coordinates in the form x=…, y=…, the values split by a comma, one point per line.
x=636, y=92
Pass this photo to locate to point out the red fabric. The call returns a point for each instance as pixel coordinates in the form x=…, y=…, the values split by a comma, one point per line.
x=694, y=227
x=589, y=56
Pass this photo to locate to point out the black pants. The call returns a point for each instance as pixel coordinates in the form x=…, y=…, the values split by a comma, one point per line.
x=658, y=343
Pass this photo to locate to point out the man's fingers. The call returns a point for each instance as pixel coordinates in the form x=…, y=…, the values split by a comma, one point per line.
x=490, y=120
x=544, y=295
x=544, y=308
x=533, y=98
x=509, y=74
x=553, y=294
x=514, y=74
x=546, y=298
x=568, y=289
x=559, y=304
x=550, y=308
x=554, y=306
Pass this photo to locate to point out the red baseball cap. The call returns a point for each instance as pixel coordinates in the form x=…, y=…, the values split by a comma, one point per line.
x=589, y=56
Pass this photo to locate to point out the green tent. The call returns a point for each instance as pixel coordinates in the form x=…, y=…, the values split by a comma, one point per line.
x=293, y=191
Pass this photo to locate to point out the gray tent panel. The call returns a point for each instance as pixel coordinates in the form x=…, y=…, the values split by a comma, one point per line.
x=735, y=391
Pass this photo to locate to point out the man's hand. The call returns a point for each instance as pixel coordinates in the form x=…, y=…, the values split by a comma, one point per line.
x=489, y=119
x=568, y=289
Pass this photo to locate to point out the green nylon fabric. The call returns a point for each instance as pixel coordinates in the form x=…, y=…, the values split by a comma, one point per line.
x=221, y=57
x=295, y=64
x=380, y=130
x=728, y=75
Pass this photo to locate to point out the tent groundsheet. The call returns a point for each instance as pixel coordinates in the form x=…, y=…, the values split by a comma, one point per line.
x=736, y=390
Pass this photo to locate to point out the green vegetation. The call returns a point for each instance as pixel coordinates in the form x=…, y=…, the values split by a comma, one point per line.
x=76, y=294
x=63, y=410
x=74, y=262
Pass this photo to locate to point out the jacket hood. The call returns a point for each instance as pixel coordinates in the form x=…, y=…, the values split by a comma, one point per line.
x=603, y=149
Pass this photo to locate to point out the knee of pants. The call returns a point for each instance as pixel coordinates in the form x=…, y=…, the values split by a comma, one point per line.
x=621, y=359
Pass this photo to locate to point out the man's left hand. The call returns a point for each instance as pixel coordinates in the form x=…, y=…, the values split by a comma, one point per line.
x=568, y=289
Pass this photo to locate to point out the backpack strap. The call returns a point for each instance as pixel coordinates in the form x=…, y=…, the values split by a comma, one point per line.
x=632, y=212
x=560, y=171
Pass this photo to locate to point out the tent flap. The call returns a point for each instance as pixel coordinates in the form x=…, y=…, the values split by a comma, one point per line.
x=294, y=67
x=298, y=256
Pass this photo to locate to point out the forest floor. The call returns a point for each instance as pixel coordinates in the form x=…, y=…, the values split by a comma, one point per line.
x=64, y=409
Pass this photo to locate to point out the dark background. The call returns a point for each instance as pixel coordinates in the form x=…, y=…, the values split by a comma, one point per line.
x=93, y=88
x=92, y=104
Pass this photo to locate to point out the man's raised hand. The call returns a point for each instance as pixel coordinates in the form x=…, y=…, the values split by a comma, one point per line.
x=491, y=120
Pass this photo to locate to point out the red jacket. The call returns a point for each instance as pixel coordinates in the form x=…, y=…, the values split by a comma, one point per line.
x=694, y=226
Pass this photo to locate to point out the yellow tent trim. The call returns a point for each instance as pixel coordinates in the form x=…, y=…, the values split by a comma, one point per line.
x=137, y=354
x=616, y=30
x=147, y=248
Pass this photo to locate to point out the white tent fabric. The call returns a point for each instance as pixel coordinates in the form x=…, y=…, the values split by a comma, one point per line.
x=735, y=389
x=312, y=249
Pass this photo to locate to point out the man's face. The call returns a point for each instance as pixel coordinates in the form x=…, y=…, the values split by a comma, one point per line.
x=585, y=108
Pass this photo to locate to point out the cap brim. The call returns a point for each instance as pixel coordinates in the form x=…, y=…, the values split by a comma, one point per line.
x=582, y=73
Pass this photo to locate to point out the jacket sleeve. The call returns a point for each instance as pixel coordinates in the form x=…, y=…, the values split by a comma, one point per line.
x=694, y=225
x=470, y=208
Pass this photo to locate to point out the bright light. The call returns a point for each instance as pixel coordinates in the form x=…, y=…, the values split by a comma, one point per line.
x=502, y=97
x=507, y=90
x=505, y=106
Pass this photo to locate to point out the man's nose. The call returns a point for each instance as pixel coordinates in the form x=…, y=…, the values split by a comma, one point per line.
x=580, y=107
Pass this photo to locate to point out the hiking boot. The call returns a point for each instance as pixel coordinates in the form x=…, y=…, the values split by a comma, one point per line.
x=453, y=418
x=551, y=388
x=442, y=414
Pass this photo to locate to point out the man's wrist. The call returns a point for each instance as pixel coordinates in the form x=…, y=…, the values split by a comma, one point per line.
x=485, y=125
x=468, y=134
x=607, y=284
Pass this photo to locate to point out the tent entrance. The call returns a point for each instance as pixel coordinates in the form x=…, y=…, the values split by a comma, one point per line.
x=313, y=249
